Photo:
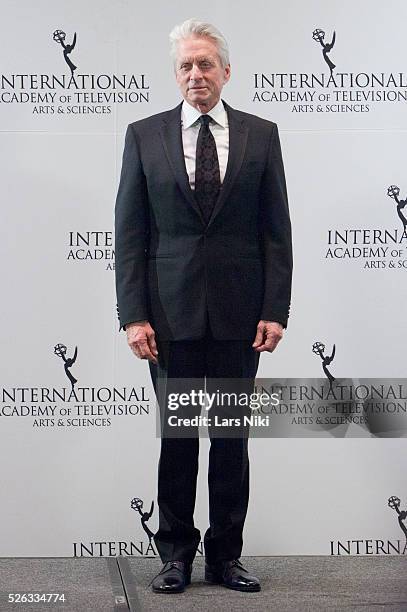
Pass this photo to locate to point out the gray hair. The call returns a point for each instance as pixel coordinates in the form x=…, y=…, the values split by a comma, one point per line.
x=194, y=27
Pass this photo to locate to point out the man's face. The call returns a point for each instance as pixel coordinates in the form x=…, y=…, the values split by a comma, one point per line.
x=199, y=72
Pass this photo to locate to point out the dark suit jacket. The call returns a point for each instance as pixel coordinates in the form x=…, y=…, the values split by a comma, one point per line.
x=171, y=268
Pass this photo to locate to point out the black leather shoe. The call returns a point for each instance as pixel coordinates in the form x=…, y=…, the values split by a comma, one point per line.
x=232, y=575
x=173, y=578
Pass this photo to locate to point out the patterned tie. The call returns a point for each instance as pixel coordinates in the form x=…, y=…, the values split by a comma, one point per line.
x=207, y=174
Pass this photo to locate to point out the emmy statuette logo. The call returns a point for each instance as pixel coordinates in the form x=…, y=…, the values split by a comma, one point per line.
x=59, y=37
x=318, y=348
x=393, y=192
x=394, y=503
x=137, y=504
x=319, y=35
x=60, y=350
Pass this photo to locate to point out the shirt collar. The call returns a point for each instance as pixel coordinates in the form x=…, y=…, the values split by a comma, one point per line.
x=190, y=114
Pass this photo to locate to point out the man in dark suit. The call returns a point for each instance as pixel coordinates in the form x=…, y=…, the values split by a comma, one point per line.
x=203, y=279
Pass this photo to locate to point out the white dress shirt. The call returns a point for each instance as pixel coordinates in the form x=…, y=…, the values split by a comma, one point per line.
x=190, y=128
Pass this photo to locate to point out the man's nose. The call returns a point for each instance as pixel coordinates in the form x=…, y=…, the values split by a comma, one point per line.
x=196, y=73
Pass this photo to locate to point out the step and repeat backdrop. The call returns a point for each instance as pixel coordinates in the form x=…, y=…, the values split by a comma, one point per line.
x=78, y=443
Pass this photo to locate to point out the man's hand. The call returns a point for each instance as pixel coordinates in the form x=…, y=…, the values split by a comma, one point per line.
x=269, y=334
x=141, y=340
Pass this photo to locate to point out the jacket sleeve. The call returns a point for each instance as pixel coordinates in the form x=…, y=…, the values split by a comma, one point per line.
x=275, y=229
x=131, y=235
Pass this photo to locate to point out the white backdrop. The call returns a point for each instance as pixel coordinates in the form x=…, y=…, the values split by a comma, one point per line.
x=72, y=465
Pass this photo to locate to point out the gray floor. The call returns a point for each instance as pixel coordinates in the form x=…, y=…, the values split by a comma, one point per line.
x=299, y=584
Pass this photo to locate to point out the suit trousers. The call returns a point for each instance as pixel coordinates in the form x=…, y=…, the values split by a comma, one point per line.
x=183, y=364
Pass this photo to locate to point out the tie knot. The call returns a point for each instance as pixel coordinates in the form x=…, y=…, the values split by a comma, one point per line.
x=205, y=120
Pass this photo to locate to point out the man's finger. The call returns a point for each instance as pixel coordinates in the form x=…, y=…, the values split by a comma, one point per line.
x=152, y=343
x=259, y=337
x=145, y=350
x=269, y=344
x=135, y=349
x=142, y=350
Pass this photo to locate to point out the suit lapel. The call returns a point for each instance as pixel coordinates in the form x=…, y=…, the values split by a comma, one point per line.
x=238, y=133
x=171, y=136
